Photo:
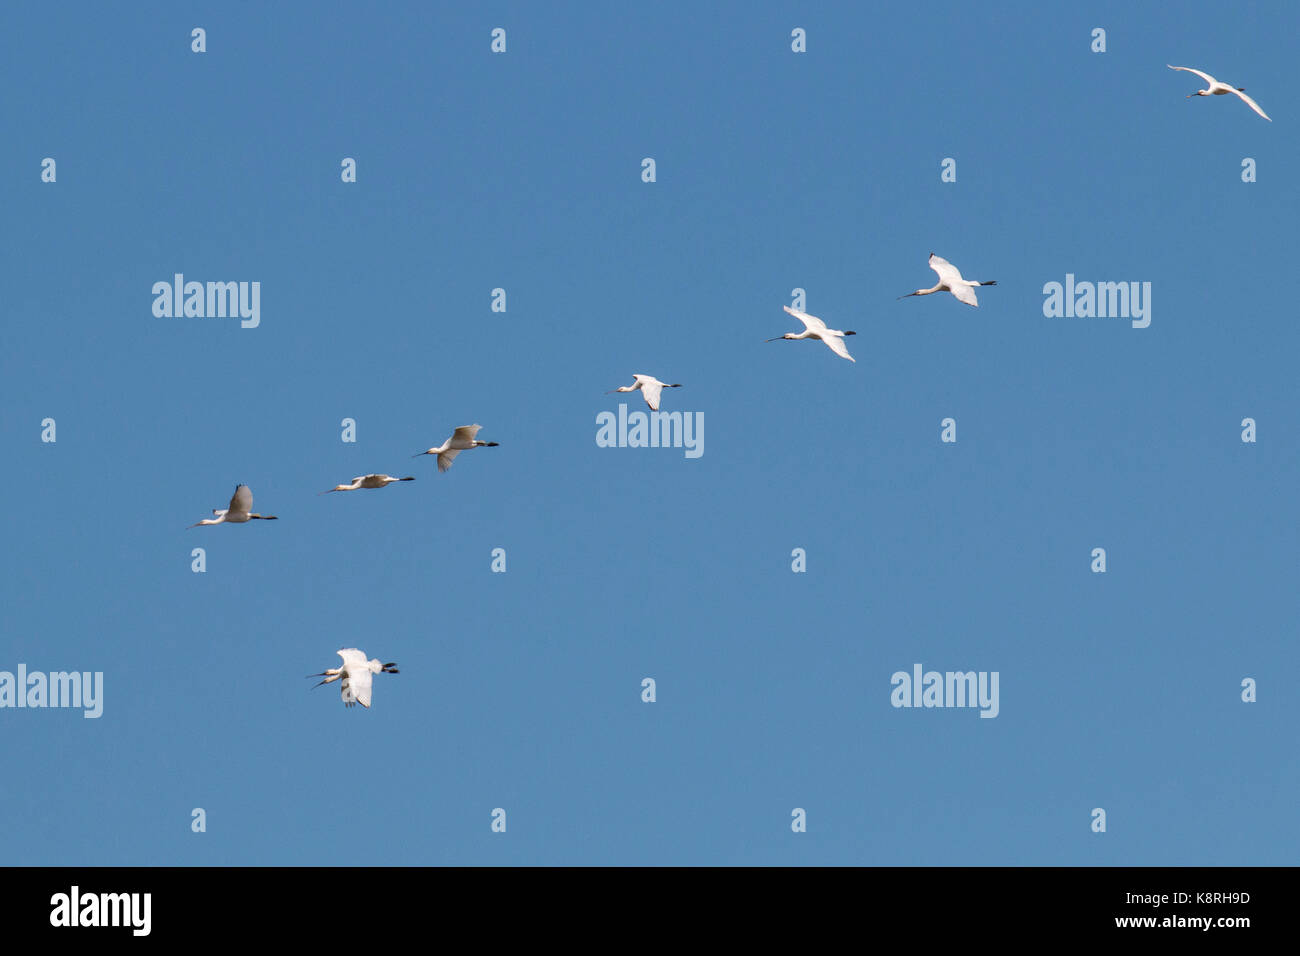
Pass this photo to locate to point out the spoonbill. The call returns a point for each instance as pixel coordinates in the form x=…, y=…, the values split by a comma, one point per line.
x=460, y=440
x=815, y=328
x=356, y=671
x=238, y=511
x=367, y=481
x=650, y=387
x=950, y=280
x=1218, y=89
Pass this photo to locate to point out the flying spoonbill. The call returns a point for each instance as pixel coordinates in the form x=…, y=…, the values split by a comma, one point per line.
x=650, y=387
x=356, y=671
x=460, y=440
x=815, y=328
x=950, y=280
x=238, y=511
x=1218, y=89
x=367, y=481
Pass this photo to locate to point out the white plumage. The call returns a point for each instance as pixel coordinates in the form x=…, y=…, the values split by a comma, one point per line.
x=651, y=389
x=367, y=481
x=239, y=511
x=950, y=280
x=460, y=440
x=815, y=328
x=356, y=674
x=1215, y=88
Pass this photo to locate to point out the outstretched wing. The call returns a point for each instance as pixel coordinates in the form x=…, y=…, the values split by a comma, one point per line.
x=948, y=273
x=1252, y=104
x=838, y=347
x=810, y=322
x=242, y=500
x=964, y=293
x=466, y=433
x=447, y=457
x=357, y=684
x=351, y=655
x=1205, y=76
x=651, y=390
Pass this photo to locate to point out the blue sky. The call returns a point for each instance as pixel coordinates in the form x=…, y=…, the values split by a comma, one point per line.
x=521, y=690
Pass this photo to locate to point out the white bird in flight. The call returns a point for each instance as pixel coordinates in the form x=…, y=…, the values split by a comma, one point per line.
x=1218, y=89
x=950, y=280
x=460, y=440
x=356, y=673
x=650, y=387
x=815, y=328
x=367, y=481
x=238, y=511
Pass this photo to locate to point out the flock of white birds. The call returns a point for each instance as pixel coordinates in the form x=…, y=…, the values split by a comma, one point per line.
x=356, y=672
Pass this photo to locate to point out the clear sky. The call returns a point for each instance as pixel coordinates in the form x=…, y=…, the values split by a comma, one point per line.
x=775, y=171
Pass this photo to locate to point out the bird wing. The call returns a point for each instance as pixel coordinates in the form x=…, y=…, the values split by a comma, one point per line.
x=242, y=500
x=351, y=655
x=1205, y=76
x=447, y=457
x=838, y=347
x=467, y=432
x=358, y=684
x=810, y=322
x=1252, y=104
x=964, y=293
x=651, y=390
x=948, y=273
